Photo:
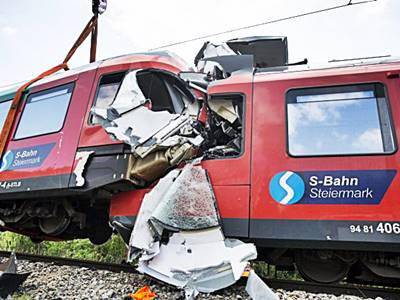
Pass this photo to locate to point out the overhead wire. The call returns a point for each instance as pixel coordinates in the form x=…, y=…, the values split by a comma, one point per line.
x=350, y=3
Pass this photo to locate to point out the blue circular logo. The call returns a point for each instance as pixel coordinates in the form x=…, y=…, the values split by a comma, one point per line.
x=7, y=160
x=286, y=187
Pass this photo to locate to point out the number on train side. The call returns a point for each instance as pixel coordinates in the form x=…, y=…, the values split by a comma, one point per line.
x=388, y=228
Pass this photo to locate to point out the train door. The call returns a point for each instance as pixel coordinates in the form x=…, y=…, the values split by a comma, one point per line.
x=41, y=153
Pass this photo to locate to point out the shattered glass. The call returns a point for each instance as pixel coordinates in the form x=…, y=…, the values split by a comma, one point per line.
x=189, y=203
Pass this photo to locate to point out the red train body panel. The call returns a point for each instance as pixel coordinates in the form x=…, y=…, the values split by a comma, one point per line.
x=250, y=188
x=242, y=184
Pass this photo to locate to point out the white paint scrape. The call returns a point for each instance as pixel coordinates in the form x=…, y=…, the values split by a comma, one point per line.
x=81, y=159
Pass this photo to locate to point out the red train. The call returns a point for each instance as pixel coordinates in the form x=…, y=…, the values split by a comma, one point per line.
x=309, y=175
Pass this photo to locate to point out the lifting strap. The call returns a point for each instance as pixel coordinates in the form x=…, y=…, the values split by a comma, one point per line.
x=91, y=27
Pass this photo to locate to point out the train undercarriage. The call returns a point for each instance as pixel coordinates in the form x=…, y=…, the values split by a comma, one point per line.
x=333, y=266
x=65, y=219
x=58, y=219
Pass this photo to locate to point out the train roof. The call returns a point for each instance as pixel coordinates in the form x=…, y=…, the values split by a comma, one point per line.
x=330, y=69
x=161, y=57
x=241, y=76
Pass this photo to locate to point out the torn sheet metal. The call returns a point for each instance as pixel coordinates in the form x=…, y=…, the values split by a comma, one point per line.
x=211, y=50
x=128, y=120
x=81, y=160
x=142, y=238
x=159, y=139
x=179, y=238
x=140, y=124
x=163, y=136
x=219, y=61
x=129, y=95
x=143, y=129
x=256, y=51
x=196, y=262
x=258, y=290
x=225, y=109
x=196, y=80
x=10, y=280
x=200, y=260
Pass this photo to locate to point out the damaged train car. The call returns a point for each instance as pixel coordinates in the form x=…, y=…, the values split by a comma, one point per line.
x=299, y=161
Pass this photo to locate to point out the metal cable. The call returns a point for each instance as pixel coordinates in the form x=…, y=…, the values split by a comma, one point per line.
x=262, y=24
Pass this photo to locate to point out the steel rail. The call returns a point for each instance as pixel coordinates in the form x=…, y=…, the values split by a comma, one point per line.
x=96, y=265
x=363, y=291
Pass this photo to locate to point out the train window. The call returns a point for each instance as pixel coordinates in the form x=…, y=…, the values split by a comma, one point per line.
x=162, y=90
x=106, y=92
x=225, y=126
x=44, y=112
x=341, y=120
x=4, y=108
x=128, y=89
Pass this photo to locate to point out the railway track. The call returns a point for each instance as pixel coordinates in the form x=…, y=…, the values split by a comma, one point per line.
x=72, y=262
x=335, y=289
x=288, y=285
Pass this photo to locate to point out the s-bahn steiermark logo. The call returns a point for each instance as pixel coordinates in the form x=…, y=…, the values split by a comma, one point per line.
x=331, y=187
x=25, y=158
x=286, y=187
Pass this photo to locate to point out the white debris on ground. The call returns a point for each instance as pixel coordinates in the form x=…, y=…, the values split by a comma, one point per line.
x=257, y=289
x=49, y=281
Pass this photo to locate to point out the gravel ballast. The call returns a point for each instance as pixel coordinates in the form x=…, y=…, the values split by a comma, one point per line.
x=49, y=281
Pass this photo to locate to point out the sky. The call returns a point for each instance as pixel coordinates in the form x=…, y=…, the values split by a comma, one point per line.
x=353, y=125
x=36, y=35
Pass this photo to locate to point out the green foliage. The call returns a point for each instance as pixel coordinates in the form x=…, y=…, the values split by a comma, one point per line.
x=21, y=297
x=270, y=271
x=112, y=251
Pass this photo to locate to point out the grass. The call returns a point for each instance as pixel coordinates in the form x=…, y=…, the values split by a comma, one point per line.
x=113, y=251
x=270, y=271
x=21, y=297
